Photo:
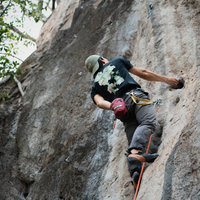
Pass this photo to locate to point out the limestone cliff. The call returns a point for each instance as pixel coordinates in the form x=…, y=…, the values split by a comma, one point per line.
x=56, y=144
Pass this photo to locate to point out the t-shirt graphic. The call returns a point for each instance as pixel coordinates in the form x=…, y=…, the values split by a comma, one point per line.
x=109, y=78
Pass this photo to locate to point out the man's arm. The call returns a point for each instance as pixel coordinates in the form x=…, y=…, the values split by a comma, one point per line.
x=150, y=76
x=101, y=102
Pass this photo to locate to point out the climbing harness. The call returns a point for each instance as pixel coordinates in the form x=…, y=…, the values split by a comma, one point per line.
x=150, y=8
x=156, y=104
x=140, y=101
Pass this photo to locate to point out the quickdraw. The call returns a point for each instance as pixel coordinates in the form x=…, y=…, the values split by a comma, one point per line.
x=157, y=103
x=150, y=8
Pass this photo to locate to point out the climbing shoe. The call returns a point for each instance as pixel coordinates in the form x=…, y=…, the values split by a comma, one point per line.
x=138, y=158
x=136, y=176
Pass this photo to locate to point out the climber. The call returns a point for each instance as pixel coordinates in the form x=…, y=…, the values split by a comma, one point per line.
x=111, y=91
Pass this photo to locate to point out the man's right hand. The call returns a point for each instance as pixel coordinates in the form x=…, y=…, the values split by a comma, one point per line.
x=172, y=81
x=151, y=76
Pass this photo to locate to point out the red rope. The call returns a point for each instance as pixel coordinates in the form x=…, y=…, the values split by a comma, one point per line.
x=138, y=185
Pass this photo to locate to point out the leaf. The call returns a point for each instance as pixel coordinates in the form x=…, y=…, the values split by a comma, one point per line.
x=9, y=34
x=18, y=72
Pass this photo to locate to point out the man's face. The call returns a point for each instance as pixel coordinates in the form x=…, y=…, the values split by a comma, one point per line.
x=104, y=60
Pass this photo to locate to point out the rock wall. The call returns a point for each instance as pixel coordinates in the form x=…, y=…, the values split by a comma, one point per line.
x=56, y=144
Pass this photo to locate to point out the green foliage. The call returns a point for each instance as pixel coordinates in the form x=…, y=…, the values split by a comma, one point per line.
x=4, y=96
x=10, y=35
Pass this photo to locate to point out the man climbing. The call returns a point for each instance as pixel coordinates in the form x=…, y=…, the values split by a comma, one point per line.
x=114, y=89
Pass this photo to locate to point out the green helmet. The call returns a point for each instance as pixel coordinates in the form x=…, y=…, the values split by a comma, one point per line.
x=92, y=64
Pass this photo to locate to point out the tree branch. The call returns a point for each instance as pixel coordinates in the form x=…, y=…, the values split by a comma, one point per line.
x=43, y=18
x=40, y=5
x=19, y=86
x=5, y=9
x=16, y=30
x=13, y=57
x=15, y=79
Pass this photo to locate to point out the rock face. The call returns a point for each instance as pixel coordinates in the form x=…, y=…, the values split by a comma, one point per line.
x=56, y=144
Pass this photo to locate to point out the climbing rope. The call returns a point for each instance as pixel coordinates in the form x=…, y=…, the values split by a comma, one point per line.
x=140, y=177
x=156, y=104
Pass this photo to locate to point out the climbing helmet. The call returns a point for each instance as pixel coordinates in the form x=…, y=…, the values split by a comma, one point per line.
x=92, y=63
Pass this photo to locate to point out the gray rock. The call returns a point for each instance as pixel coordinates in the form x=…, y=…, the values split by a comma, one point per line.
x=56, y=144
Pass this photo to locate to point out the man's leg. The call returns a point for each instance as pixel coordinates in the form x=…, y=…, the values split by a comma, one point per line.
x=130, y=128
x=146, y=118
x=130, y=124
x=134, y=170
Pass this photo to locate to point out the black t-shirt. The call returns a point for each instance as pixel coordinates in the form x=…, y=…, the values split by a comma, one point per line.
x=113, y=80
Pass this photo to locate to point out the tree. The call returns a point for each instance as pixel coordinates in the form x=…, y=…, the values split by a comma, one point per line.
x=10, y=33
